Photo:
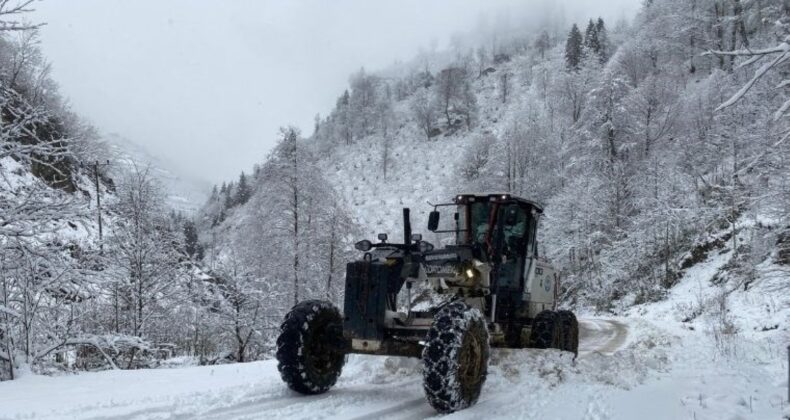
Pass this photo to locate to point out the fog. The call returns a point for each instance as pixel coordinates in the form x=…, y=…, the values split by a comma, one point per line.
x=206, y=84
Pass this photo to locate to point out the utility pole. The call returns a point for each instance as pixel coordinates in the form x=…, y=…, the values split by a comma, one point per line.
x=96, y=166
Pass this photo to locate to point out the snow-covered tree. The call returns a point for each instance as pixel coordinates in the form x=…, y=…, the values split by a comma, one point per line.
x=543, y=43
x=426, y=111
x=192, y=246
x=591, y=42
x=603, y=41
x=454, y=95
x=288, y=235
x=143, y=257
x=574, y=48
x=243, y=190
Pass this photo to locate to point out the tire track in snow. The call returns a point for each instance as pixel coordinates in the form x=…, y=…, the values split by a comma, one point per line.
x=406, y=410
x=258, y=409
x=311, y=406
x=175, y=409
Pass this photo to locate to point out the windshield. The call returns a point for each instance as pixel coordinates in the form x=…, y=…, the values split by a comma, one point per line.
x=464, y=224
x=479, y=214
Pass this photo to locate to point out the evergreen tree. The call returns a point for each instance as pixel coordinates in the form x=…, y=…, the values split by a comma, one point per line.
x=191, y=245
x=243, y=191
x=591, y=41
x=543, y=43
x=343, y=118
x=214, y=194
x=229, y=199
x=573, y=48
x=603, y=41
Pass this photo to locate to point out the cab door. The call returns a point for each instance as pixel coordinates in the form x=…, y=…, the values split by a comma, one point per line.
x=513, y=245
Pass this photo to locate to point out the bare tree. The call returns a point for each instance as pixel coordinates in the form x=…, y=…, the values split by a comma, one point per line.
x=10, y=10
x=425, y=111
x=449, y=90
x=505, y=83
x=143, y=256
x=778, y=57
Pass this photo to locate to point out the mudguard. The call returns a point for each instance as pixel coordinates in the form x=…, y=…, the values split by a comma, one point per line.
x=368, y=285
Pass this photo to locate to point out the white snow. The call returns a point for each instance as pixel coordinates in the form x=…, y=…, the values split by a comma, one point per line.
x=645, y=364
x=655, y=375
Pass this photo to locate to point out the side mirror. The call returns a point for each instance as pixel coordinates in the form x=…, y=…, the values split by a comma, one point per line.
x=363, y=245
x=416, y=237
x=383, y=237
x=433, y=221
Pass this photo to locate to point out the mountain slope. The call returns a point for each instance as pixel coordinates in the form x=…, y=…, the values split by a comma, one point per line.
x=184, y=193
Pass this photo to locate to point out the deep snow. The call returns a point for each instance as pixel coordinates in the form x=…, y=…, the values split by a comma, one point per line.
x=654, y=375
x=370, y=387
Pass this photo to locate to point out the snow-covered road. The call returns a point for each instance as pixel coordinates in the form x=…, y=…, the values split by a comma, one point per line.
x=627, y=368
x=604, y=336
x=370, y=387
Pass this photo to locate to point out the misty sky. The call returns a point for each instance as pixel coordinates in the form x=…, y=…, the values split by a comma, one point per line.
x=206, y=84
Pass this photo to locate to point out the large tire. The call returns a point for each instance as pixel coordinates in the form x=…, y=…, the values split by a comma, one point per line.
x=569, y=331
x=310, y=350
x=545, y=332
x=455, y=358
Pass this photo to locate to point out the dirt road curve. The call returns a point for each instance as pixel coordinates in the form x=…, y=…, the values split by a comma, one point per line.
x=604, y=336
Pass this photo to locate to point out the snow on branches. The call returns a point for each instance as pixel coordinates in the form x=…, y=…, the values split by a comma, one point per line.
x=777, y=56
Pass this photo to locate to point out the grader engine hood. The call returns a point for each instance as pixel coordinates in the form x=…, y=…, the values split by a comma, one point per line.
x=442, y=263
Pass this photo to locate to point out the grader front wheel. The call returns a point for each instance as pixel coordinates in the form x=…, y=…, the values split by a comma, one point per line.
x=455, y=358
x=309, y=349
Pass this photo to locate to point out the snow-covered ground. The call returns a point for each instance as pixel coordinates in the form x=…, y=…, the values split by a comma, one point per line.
x=639, y=372
x=650, y=363
x=370, y=387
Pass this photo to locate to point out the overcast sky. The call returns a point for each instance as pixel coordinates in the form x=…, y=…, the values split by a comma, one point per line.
x=206, y=84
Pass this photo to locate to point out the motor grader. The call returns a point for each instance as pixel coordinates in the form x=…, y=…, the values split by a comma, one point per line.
x=487, y=287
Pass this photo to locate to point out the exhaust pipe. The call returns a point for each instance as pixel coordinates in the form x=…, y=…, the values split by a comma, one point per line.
x=406, y=227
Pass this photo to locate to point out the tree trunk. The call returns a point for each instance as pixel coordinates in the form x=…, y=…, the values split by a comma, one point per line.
x=295, y=197
x=331, y=260
x=718, y=9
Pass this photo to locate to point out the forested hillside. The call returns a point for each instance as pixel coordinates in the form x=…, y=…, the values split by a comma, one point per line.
x=651, y=143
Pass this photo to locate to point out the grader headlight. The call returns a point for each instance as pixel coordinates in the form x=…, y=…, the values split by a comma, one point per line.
x=468, y=275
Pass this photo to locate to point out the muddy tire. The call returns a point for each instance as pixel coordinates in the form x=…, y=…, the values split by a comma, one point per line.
x=569, y=331
x=310, y=351
x=545, y=332
x=455, y=358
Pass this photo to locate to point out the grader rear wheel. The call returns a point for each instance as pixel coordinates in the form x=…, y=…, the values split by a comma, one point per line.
x=545, y=331
x=569, y=331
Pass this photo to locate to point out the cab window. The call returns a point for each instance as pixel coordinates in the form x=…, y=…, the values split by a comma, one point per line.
x=514, y=229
